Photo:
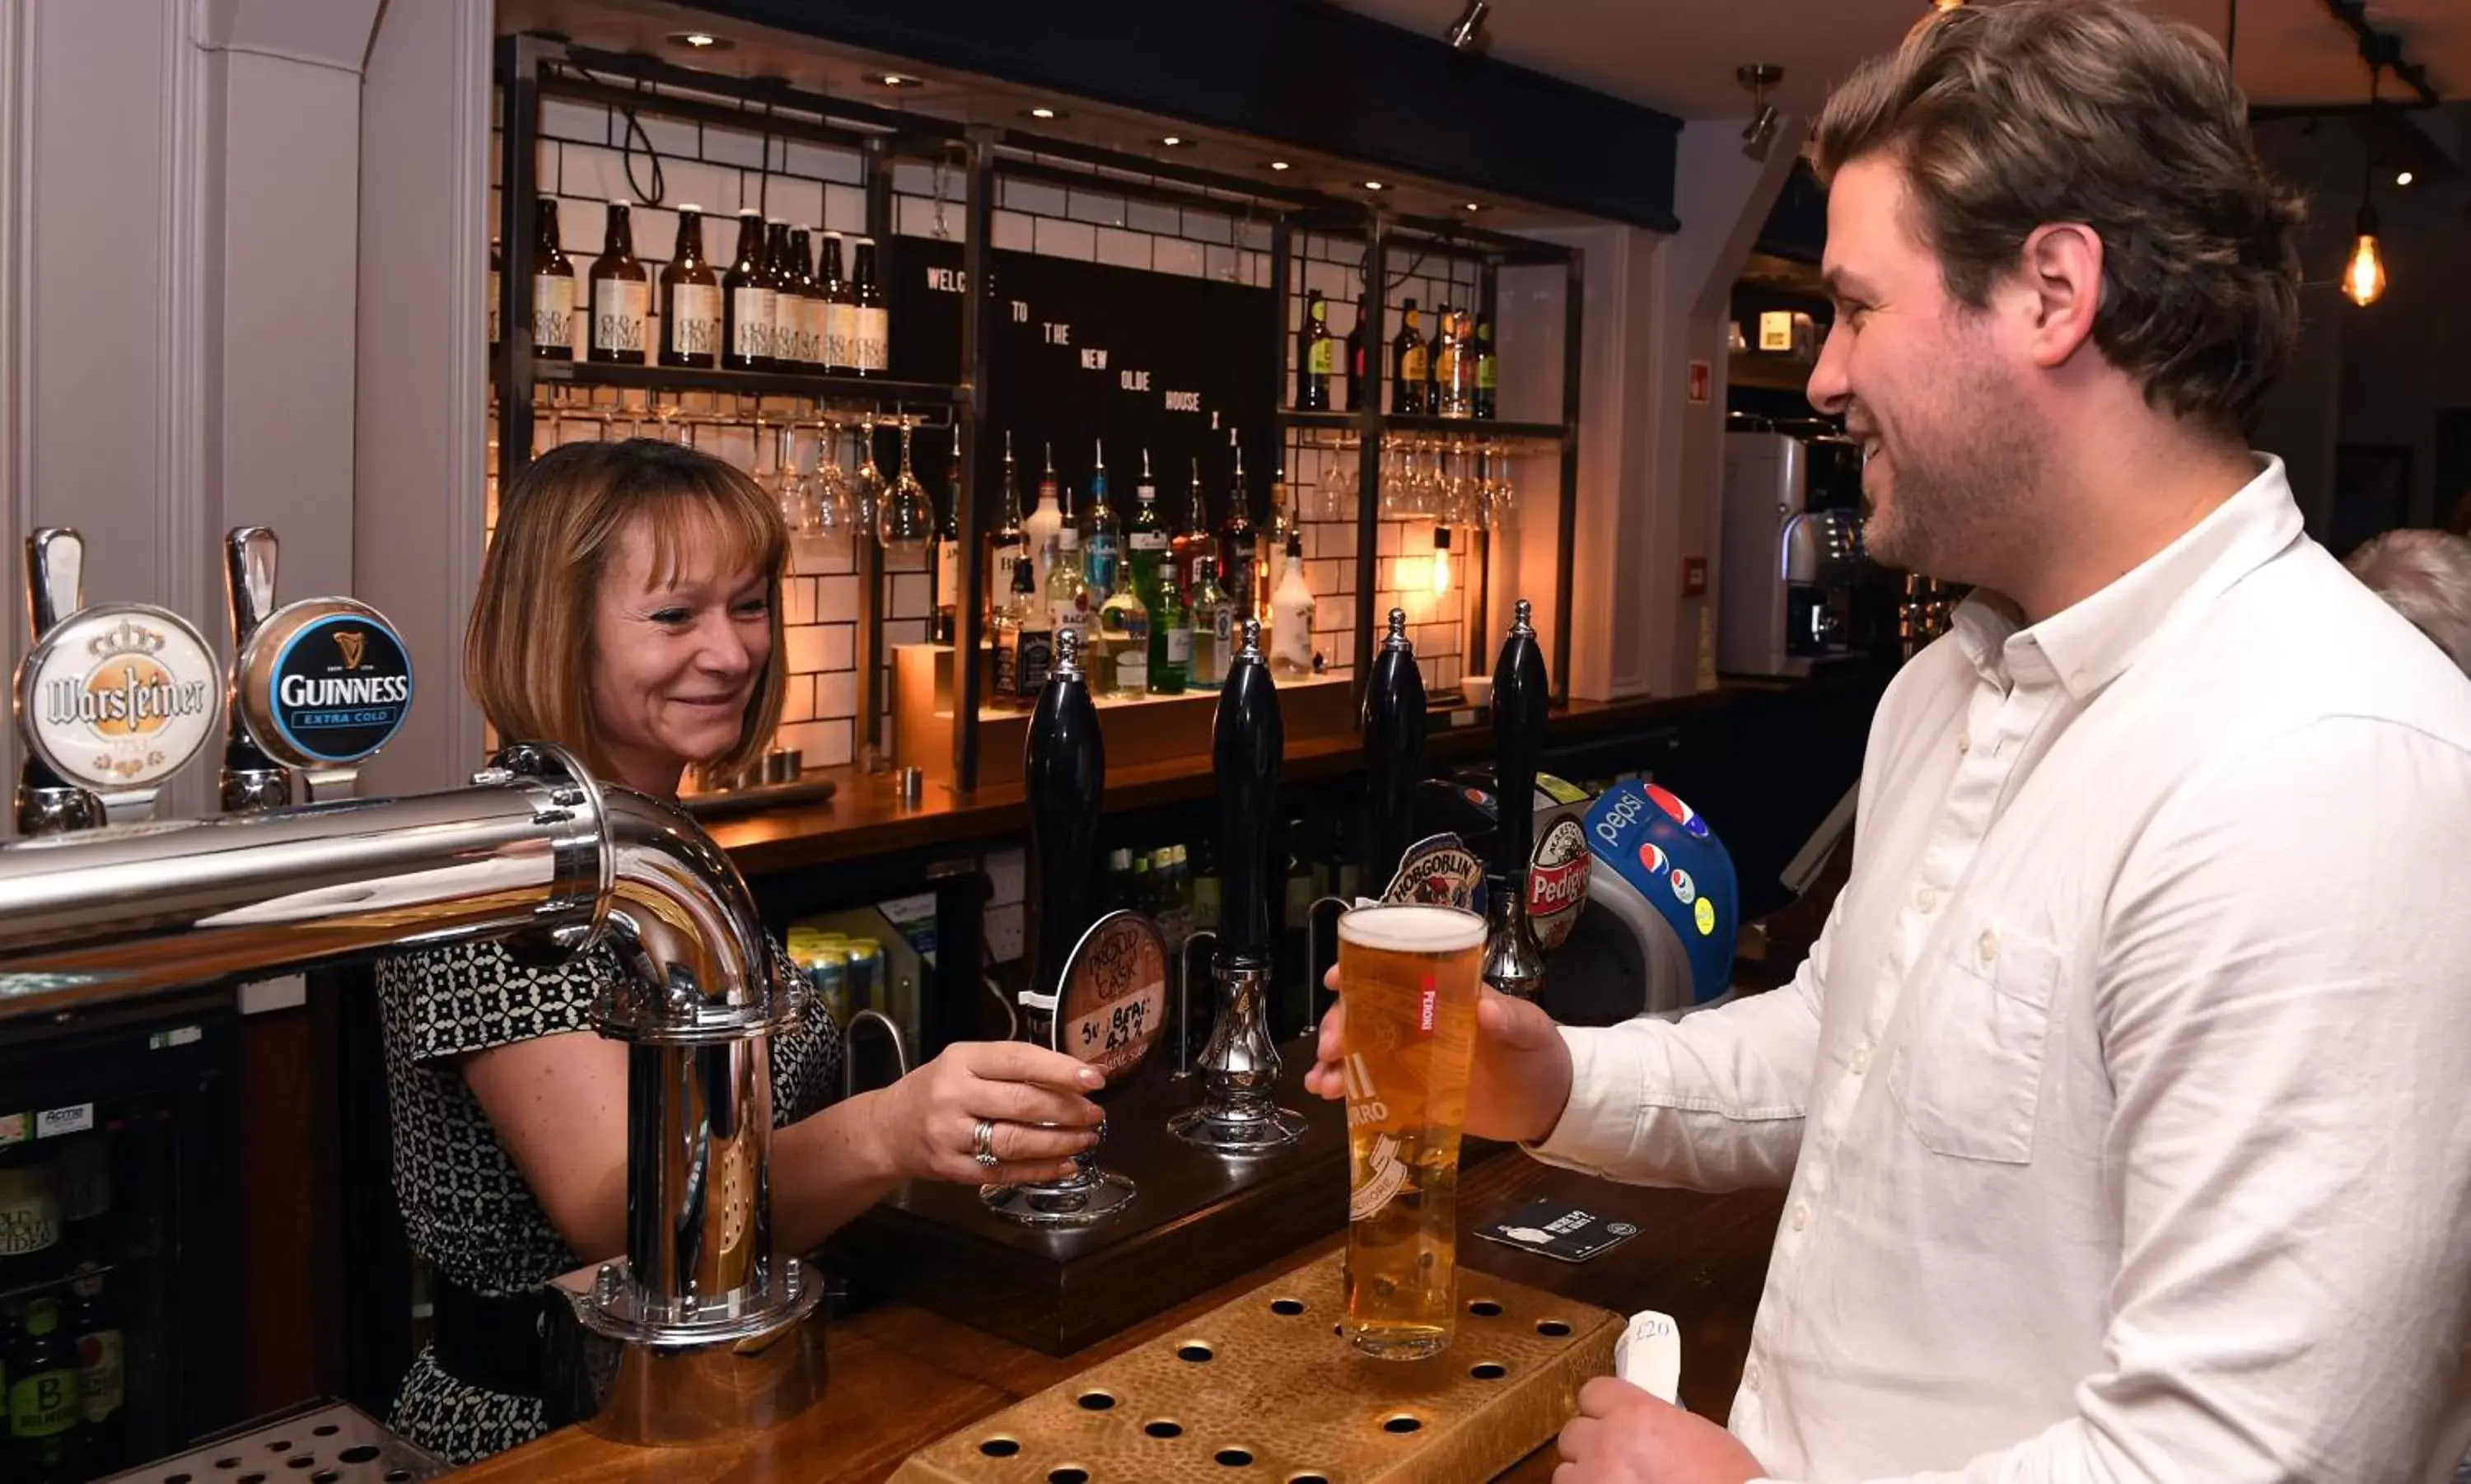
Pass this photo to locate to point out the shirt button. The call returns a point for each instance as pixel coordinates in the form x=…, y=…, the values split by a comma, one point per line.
x=1862, y=1058
x=1927, y=898
x=1990, y=945
x=1800, y=1214
x=1965, y=742
x=1750, y=1374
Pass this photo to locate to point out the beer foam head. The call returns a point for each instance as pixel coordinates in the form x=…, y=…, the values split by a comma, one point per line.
x=1412, y=929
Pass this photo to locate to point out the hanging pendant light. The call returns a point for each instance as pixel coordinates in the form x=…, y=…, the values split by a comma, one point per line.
x=2364, y=272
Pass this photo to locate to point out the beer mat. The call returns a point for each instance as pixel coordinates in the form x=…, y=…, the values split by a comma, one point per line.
x=1559, y=1230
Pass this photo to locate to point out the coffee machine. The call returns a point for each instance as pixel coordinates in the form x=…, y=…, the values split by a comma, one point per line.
x=1792, y=547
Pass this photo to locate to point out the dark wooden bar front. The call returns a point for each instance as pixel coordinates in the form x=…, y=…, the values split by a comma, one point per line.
x=902, y=1377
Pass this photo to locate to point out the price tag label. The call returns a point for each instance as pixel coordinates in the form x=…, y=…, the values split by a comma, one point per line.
x=1114, y=1002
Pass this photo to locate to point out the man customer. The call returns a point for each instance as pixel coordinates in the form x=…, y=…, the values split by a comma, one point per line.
x=2120, y=1103
x=2426, y=577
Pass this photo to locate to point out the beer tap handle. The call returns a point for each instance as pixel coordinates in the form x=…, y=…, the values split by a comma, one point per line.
x=250, y=781
x=54, y=577
x=1246, y=743
x=1521, y=695
x=1063, y=773
x=1393, y=749
x=249, y=556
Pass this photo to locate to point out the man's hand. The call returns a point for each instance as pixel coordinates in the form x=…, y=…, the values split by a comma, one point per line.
x=1624, y=1436
x=1522, y=1076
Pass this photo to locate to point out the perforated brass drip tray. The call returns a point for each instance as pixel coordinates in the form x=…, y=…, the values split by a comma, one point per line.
x=1265, y=1389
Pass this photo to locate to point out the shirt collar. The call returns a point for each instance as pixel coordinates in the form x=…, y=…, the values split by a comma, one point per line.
x=2091, y=643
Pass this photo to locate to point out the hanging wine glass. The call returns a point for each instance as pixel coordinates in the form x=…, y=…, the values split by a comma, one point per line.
x=835, y=520
x=1505, y=496
x=867, y=484
x=906, y=521
x=1399, y=482
x=798, y=508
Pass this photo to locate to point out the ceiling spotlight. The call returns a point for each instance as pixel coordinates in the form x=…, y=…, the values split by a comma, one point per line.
x=896, y=80
x=2404, y=177
x=1281, y=165
x=1760, y=132
x=1475, y=205
x=1176, y=142
x=1467, y=34
x=1948, y=5
x=1373, y=185
x=700, y=41
x=1042, y=111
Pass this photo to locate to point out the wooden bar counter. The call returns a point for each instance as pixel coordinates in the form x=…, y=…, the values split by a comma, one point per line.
x=902, y=1377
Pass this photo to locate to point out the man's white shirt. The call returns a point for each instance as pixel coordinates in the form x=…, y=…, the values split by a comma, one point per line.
x=2124, y=1103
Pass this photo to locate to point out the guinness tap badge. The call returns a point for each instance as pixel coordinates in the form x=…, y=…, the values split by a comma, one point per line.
x=323, y=683
x=119, y=696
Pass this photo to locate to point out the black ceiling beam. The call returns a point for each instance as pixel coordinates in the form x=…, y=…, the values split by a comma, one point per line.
x=1299, y=72
x=2383, y=49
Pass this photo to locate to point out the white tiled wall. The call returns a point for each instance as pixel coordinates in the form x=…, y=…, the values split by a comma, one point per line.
x=582, y=164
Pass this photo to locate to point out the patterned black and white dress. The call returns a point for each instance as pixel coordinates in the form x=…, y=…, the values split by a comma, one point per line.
x=466, y=1207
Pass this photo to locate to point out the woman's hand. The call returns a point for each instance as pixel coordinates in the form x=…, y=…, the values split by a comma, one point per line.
x=925, y=1126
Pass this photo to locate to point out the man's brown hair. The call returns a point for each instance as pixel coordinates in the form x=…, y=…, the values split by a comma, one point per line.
x=2007, y=117
x=528, y=652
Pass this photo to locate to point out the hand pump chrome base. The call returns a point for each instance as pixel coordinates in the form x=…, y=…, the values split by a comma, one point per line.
x=1239, y=1112
x=701, y=1331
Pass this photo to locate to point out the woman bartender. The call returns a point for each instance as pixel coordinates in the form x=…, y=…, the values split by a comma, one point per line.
x=630, y=611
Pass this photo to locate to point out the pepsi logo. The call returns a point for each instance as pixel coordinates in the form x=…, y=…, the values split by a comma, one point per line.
x=1684, y=890
x=1654, y=859
x=1681, y=813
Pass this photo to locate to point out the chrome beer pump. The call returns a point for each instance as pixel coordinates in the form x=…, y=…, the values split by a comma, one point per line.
x=1097, y=990
x=111, y=700
x=318, y=686
x=1514, y=961
x=1238, y=1114
x=700, y=1329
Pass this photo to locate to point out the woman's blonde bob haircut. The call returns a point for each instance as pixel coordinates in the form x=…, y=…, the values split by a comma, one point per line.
x=528, y=654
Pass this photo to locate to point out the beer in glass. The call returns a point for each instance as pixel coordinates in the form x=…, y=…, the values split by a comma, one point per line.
x=1407, y=976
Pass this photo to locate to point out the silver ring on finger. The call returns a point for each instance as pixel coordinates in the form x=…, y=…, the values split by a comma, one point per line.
x=985, y=1153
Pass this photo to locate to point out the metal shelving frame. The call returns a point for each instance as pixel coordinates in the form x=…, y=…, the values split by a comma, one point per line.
x=530, y=67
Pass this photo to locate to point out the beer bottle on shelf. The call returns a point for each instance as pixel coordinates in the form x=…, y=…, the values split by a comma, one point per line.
x=1170, y=638
x=872, y=329
x=1355, y=365
x=622, y=294
x=1119, y=878
x=1009, y=547
x=94, y=1328
x=747, y=295
x=840, y=312
x=1487, y=372
x=1205, y=888
x=1214, y=628
x=811, y=299
x=1265, y=578
x=30, y=1221
x=1025, y=642
x=1192, y=541
x=1409, y=369
x=552, y=290
x=81, y=1173
x=1442, y=362
x=1237, y=546
x=1291, y=616
x=494, y=291
x=1140, y=893
x=1315, y=356
x=44, y=1411
x=1103, y=544
x=1045, y=522
x=783, y=275
x=690, y=299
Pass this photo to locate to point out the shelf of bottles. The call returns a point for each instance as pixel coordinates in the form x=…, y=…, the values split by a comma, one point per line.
x=1390, y=435
x=772, y=346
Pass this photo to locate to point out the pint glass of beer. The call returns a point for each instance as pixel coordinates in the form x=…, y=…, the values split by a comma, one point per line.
x=1407, y=976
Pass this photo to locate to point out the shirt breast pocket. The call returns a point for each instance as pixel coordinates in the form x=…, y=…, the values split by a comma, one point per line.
x=1968, y=1074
